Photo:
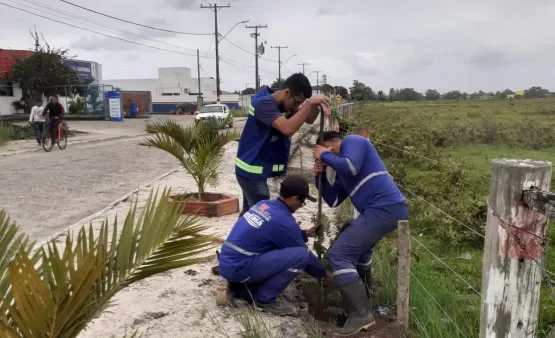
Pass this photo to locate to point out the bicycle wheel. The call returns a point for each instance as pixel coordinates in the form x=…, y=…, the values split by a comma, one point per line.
x=62, y=140
x=47, y=142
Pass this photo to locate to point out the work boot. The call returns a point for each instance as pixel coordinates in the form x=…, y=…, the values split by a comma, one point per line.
x=366, y=277
x=278, y=309
x=357, y=308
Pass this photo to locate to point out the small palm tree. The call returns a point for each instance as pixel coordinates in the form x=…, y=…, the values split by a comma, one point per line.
x=55, y=290
x=198, y=148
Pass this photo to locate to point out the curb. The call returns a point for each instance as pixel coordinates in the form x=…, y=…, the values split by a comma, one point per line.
x=114, y=138
x=110, y=206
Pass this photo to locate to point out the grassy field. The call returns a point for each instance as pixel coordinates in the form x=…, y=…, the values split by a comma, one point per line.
x=464, y=136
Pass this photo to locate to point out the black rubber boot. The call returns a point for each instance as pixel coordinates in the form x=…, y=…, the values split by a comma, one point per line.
x=277, y=309
x=357, y=307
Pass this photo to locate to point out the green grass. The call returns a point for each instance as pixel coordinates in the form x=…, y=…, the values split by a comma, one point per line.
x=12, y=132
x=6, y=134
x=465, y=136
x=239, y=112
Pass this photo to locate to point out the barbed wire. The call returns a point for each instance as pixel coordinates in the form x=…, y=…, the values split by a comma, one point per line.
x=440, y=210
x=437, y=303
x=452, y=166
x=447, y=266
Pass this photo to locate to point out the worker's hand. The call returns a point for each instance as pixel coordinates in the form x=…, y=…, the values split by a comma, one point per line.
x=328, y=279
x=319, y=167
x=318, y=150
x=319, y=100
x=311, y=232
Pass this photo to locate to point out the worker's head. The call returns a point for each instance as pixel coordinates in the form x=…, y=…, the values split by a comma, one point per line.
x=54, y=99
x=294, y=192
x=294, y=91
x=38, y=102
x=332, y=139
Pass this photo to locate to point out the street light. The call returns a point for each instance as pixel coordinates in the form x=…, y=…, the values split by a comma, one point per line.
x=292, y=56
x=232, y=28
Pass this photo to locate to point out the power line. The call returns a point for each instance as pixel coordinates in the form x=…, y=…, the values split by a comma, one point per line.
x=255, y=35
x=106, y=35
x=279, y=48
x=133, y=23
x=304, y=64
x=91, y=23
x=246, y=51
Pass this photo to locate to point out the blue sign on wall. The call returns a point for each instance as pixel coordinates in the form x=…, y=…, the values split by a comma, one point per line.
x=115, y=106
x=83, y=68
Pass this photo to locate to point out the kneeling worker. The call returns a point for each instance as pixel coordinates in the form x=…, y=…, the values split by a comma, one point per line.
x=266, y=249
x=362, y=176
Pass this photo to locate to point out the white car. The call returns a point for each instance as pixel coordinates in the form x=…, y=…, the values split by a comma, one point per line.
x=218, y=111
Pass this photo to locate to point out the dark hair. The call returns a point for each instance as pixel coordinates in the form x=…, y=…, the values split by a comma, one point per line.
x=298, y=84
x=330, y=135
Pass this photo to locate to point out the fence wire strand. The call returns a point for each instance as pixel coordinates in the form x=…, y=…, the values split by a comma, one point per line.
x=437, y=303
x=452, y=166
x=440, y=210
x=446, y=265
x=419, y=323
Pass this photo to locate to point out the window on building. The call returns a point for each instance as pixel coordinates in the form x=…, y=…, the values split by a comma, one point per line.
x=170, y=94
x=6, y=88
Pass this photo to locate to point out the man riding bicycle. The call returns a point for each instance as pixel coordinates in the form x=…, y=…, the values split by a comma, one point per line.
x=56, y=112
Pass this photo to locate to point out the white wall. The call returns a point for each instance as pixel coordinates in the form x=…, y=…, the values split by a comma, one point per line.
x=6, y=107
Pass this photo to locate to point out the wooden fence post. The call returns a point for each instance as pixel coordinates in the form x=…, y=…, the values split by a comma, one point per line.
x=513, y=250
x=403, y=275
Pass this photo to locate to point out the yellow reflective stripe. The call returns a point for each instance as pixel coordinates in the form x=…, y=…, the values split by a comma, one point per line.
x=251, y=110
x=253, y=169
x=278, y=167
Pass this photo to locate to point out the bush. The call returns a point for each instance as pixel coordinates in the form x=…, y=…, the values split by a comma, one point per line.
x=77, y=106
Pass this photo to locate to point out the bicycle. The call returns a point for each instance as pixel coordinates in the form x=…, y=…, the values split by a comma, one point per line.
x=60, y=137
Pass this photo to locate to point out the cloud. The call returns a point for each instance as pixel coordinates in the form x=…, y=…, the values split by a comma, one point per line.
x=184, y=4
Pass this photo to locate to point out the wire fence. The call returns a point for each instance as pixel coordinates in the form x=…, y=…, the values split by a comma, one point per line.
x=547, y=275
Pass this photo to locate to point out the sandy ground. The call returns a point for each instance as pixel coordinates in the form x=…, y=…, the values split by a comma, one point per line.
x=181, y=303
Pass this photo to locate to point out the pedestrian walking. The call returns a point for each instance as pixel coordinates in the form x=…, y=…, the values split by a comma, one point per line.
x=37, y=120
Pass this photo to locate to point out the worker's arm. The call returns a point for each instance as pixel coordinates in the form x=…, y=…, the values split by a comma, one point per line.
x=333, y=195
x=312, y=116
x=31, y=116
x=286, y=233
x=350, y=160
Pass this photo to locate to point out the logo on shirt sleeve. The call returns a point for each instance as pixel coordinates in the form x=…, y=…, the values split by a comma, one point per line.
x=261, y=210
x=253, y=219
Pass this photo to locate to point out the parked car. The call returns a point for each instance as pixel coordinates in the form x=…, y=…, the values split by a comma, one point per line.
x=217, y=111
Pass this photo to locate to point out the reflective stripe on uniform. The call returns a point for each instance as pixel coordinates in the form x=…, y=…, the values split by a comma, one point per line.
x=253, y=169
x=239, y=250
x=364, y=180
x=344, y=271
x=251, y=110
x=294, y=270
x=366, y=264
x=351, y=166
x=278, y=167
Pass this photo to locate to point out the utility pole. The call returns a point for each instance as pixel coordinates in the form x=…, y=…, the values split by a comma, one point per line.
x=199, y=98
x=279, y=61
x=215, y=9
x=256, y=56
x=317, y=80
x=304, y=64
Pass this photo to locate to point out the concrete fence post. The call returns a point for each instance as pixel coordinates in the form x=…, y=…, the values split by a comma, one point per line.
x=514, y=249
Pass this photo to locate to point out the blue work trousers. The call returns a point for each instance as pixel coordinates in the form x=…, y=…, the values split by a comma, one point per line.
x=253, y=192
x=351, y=254
x=269, y=274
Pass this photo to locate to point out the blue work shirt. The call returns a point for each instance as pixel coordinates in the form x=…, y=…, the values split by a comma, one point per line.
x=360, y=175
x=267, y=226
x=263, y=150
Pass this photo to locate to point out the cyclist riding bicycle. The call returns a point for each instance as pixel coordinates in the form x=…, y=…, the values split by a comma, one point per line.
x=56, y=112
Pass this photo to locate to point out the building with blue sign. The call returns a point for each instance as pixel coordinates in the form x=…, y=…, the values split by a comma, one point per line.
x=175, y=86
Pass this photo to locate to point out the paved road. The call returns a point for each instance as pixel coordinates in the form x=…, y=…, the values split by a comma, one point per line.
x=46, y=192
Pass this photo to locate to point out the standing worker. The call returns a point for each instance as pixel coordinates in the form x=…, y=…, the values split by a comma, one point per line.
x=362, y=176
x=266, y=139
x=266, y=249
x=37, y=120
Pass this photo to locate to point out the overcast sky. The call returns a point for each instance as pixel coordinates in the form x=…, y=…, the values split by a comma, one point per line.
x=441, y=44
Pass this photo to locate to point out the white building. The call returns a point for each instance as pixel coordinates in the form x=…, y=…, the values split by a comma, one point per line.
x=174, y=86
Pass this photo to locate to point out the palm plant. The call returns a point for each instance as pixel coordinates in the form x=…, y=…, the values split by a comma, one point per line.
x=55, y=290
x=198, y=148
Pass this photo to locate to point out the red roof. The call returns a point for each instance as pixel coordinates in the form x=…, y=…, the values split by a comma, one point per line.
x=9, y=57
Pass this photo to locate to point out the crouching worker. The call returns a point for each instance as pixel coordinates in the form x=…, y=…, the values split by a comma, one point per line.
x=362, y=176
x=266, y=249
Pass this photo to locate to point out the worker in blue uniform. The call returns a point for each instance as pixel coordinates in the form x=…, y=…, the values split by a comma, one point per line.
x=266, y=249
x=265, y=142
x=362, y=176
